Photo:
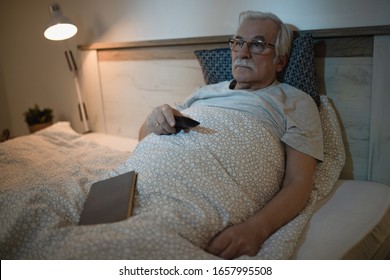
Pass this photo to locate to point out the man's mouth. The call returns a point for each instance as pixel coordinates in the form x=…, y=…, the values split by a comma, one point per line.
x=242, y=66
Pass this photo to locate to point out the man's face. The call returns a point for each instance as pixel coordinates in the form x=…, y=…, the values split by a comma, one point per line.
x=263, y=70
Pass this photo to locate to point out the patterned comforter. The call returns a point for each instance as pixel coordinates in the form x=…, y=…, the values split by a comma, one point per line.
x=191, y=185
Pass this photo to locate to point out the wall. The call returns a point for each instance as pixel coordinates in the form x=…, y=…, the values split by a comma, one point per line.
x=33, y=69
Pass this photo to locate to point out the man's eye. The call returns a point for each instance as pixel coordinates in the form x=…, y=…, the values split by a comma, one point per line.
x=257, y=44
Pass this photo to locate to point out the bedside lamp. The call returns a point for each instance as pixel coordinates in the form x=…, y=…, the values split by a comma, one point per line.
x=61, y=28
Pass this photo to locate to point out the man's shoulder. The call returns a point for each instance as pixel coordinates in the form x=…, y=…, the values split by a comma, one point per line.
x=292, y=95
x=291, y=89
x=293, y=92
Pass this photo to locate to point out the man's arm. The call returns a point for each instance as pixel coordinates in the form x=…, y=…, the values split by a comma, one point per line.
x=246, y=238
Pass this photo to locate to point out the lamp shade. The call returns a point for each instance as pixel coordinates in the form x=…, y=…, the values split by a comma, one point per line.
x=59, y=27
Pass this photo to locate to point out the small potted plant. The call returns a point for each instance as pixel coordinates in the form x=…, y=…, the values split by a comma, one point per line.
x=38, y=119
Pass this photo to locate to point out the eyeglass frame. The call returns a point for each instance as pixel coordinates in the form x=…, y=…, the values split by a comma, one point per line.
x=249, y=43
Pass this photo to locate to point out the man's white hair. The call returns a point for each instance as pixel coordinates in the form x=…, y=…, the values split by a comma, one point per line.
x=285, y=35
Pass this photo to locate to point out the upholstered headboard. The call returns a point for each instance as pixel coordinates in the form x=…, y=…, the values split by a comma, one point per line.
x=123, y=81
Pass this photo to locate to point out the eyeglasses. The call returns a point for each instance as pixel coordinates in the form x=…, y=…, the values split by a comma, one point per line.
x=255, y=46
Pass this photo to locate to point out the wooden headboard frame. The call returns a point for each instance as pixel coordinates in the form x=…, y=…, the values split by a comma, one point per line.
x=352, y=70
x=183, y=48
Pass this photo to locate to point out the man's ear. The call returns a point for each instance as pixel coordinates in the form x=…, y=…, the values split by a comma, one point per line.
x=281, y=63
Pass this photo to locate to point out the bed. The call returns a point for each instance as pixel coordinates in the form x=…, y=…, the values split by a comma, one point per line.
x=45, y=177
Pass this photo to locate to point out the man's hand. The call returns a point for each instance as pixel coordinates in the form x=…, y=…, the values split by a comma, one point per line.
x=235, y=241
x=160, y=121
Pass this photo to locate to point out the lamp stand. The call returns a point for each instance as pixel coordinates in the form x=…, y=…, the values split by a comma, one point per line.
x=83, y=113
x=73, y=68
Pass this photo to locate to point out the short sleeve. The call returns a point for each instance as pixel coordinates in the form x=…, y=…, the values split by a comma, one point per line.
x=303, y=127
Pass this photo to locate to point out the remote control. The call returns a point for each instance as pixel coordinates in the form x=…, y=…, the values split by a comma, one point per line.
x=182, y=122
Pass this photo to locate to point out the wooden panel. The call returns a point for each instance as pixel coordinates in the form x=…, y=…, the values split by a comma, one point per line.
x=347, y=82
x=131, y=89
x=153, y=53
x=344, y=47
x=207, y=40
x=349, y=31
x=379, y=158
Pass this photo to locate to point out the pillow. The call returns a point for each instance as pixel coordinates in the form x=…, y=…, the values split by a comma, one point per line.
x=327, y=172
x=299, y=72
x=216, y=65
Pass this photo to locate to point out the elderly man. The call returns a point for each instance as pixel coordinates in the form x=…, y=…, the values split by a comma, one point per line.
x=260, y=50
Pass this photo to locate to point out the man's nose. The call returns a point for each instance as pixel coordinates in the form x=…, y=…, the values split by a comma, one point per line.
x=244, y=52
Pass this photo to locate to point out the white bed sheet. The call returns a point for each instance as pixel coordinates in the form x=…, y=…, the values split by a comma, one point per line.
x=353, y=222
x=115, y=142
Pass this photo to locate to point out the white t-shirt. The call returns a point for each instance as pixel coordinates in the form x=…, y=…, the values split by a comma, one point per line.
x=290, y=113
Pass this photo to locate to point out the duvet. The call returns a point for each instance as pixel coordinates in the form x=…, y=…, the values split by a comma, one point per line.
x=191, y=185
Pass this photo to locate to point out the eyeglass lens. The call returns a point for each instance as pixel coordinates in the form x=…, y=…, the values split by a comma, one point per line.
x=254, y=46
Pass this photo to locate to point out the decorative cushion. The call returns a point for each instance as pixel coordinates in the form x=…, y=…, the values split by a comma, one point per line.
x=299, y=72
x=327, y=172
x=216, y=65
